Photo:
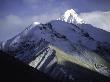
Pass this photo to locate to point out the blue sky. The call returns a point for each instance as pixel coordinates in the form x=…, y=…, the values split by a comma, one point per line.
x=15, y=15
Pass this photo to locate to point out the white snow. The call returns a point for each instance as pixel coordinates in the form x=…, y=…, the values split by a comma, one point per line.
x=71, y=16
x=36, y=23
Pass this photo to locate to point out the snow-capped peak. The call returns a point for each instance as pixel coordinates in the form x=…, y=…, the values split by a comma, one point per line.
x=71, y=16
x=36, y=23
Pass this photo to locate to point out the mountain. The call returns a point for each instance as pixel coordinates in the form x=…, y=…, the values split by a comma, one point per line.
x=71, y=16
x=64, y=50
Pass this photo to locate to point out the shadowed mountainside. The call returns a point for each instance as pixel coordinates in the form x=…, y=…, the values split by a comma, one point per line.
x=13, y=70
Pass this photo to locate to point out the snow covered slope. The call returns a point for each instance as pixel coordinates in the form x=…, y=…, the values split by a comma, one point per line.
x=49, y=47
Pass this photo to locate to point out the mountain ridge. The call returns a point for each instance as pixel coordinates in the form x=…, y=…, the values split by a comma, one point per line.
x=42, y=46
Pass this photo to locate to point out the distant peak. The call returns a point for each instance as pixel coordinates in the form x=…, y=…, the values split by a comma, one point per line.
x=36, y=23
x=71, y=16
x=70, y=12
